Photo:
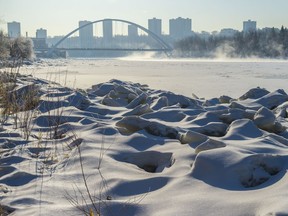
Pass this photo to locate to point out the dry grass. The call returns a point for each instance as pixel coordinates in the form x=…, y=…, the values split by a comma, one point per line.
x=17, y=103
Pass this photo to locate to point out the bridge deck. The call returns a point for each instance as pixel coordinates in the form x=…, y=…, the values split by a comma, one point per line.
x=106, y=49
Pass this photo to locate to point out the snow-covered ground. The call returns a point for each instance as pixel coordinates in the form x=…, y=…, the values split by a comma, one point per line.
x=148, y=151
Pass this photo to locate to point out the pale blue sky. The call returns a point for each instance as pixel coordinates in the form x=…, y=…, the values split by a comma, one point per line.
x=61, y=16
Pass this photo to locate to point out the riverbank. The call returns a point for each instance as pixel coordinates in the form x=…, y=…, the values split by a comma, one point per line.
x=124, y=148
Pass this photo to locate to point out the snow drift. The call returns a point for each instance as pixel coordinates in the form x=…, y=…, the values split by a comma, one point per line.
x=146, y=152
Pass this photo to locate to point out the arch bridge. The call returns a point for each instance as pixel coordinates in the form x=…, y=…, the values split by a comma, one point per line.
x=162, y=46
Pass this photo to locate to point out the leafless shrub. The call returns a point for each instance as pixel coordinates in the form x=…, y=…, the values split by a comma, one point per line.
x=4, y=49
x=5, y=210
x=20, y=49
x=90, y=202
x=5, y=110
x=18, y=103
x=30, y=100
x=82, y=202
x=16, y=50
x=6, y=97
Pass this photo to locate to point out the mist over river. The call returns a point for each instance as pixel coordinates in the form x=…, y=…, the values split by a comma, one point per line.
x=204, y=78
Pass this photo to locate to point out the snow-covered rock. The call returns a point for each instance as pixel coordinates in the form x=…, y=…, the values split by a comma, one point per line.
x=160, y=103
x=254, y=93
x=192, y=137
x=208, y=145
x=266, y=120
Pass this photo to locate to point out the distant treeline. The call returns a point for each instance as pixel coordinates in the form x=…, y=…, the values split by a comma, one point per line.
x=267, y=43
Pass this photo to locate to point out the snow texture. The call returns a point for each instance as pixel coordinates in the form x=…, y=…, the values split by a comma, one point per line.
x=146, y=152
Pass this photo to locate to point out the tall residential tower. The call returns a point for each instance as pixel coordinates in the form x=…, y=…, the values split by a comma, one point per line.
x=107, y=31
x=180, y=28
x=132, y=32
x=41, y=33
x=155, y=26
x=85, y=34
x=14, y=29
x=249, y=26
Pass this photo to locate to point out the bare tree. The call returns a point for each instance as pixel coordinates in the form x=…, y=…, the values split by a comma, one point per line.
x=20, y=49
x=4, y=48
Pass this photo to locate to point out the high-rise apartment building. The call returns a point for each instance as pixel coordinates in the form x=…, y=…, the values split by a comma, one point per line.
x=155, y=26
x=107, y=31
x=228, y=32
x=41, y=33
x=180, y=28
x=132, y=32
x=14, y=29
x=86, y=34
x=249, y=26
x=40, y=41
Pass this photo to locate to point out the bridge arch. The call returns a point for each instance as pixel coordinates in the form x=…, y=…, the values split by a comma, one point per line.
x=164, y=45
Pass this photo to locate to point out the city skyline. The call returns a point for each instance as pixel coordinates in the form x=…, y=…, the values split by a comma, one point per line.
x=60, y=17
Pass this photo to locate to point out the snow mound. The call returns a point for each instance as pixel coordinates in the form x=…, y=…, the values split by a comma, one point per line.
x=192, y=137
x=259, y=169
x=243, y=129
x=150, y=161
x=270, y=101
x=141, y=151
x=208, y=145
x=254, y=93
x=266, y=120
x=159, y=103
x=236, y=171
x=135, y=123
x=235, y=114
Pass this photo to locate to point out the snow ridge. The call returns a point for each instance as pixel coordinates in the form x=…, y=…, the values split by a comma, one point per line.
x=160, y=153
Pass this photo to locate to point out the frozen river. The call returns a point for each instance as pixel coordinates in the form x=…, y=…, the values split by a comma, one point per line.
x=204, y=78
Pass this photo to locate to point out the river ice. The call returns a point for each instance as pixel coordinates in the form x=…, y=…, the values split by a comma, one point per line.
x=204, y=78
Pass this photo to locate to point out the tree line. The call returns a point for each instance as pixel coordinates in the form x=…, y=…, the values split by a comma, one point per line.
x=265, y=43
x=13, y=51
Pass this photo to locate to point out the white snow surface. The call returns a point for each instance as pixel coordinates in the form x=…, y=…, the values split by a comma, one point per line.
x=147, y=151
x=204, y=78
